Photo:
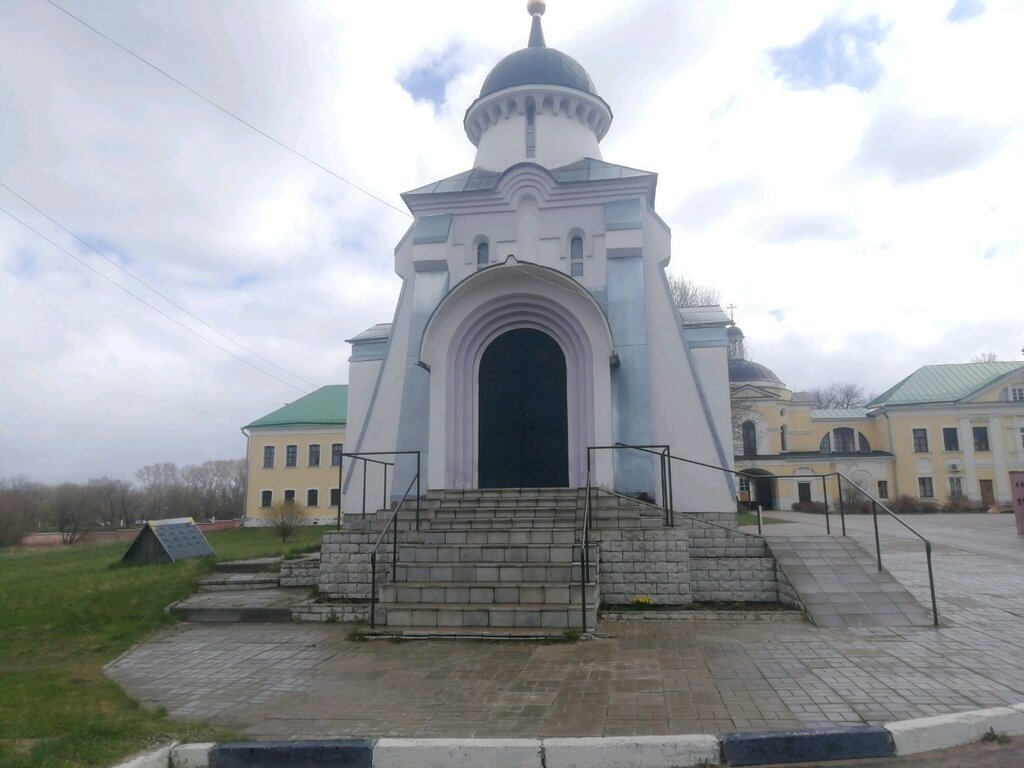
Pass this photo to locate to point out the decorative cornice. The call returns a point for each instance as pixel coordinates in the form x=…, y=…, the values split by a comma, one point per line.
x=585, y=108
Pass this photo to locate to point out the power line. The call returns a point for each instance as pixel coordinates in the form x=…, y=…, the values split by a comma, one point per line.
x=141, y=300
x=150, y=287
x=227, y=112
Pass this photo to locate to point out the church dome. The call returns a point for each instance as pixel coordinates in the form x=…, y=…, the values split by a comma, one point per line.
x=749, y=372
x=537, y=66
x=545, y=103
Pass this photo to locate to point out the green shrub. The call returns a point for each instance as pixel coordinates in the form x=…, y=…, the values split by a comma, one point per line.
x=905, y=504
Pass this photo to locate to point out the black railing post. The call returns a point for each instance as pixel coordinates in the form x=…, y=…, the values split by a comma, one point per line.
x=384, y=490
x=341, y=461
x=363, y=515
x=671, y=491
x=824, y=493
x=394, y=553
x=664, y=490
x=931, y=582
x=842, y=505
x=760, y=530
x=878, y=544
x=373, y=588
x=417, y=490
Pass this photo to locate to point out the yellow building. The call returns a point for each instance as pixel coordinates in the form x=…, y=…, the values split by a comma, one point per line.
x=946, y=432
x=294, y=454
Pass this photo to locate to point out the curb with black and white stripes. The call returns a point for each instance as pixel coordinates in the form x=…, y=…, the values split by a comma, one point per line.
x=906, y=737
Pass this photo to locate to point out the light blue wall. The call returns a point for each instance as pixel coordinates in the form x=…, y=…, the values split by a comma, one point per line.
x=429, y=287
x=631, y=390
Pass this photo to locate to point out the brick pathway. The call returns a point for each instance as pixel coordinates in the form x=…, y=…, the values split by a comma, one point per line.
x=309, y=681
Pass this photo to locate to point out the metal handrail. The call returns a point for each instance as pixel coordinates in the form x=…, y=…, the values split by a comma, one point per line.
x=666, y=477
x=363, y=456
x=392, y=526
x=875, y=504
x=585, y=555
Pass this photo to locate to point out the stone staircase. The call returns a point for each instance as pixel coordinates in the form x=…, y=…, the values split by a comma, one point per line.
x=493, y=563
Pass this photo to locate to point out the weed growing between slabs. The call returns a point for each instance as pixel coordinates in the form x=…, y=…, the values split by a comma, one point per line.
x=69, y=611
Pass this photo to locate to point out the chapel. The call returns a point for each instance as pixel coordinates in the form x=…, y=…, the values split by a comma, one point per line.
x=535, y=326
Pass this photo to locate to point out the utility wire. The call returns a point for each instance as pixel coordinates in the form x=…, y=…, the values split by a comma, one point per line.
x=141, y=300
x=227, y=112
x=142, y=282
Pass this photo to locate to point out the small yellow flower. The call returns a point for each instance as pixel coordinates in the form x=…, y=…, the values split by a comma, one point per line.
x=643, y=600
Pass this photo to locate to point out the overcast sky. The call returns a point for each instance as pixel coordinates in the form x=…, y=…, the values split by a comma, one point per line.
x=848, y=174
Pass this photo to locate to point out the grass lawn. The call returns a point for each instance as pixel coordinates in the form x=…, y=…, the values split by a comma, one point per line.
x=66, y=612
x=750, y=518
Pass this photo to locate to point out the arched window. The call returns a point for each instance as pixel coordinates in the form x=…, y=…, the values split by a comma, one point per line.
x=576, y=257
x=483, y=254
x=784, y=437
x=826, y=443
x=749, y=439
x=865, y=446
x=844, y=441
x=531, y=131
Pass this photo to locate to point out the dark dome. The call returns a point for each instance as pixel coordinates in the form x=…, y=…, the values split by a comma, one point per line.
x=748, y=371
x=537, y=66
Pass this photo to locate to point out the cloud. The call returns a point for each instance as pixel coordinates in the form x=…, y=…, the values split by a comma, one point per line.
x=838, y=52
x=797, y=226
x=712, y=204
x=428, y=79
x=965, y=10
x=907, y=148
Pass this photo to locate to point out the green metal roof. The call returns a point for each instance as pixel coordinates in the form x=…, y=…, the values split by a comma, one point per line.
x=945, y=383
x=326, y=407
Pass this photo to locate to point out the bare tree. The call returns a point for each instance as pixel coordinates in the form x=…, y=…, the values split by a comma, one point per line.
x=285, y=517
x=838, y=395
x=160, y=486
x=985, y=357
x=115, y=501
x=686, y=293
x=70, y=511
x=22, y=506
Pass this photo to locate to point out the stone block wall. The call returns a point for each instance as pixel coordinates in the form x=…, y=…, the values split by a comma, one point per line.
x=304, y=572
x=730, y=579
x=644, y=561
x=345, y=565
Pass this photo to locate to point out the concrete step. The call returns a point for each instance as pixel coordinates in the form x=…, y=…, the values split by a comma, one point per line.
x=227, y=582
x=500, y=523
x=493, y=553
x=485, y=536
x=464, y=593
x=259, y=605
x=474, y=633
x=528, y=615
x=459, y=513
x=256, y=565
x=506, y=573
x=503, y=493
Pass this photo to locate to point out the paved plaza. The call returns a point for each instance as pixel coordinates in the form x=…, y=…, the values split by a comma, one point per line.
x=637, y=677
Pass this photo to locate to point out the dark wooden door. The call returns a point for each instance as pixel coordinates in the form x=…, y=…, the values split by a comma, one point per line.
x=803, y=492
x=988, y=495
x=524, y=434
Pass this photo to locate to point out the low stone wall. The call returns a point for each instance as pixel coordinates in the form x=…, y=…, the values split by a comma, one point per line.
x=644, y=561
x=345, y=613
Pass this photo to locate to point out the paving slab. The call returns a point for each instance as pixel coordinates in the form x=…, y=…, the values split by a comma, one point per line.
x=841, y=586
x=639, y=678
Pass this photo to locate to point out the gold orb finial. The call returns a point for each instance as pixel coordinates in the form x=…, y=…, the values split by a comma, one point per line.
x=536, y=7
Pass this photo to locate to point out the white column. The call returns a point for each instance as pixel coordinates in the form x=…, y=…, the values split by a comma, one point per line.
x=971, y=488
x=995, y=436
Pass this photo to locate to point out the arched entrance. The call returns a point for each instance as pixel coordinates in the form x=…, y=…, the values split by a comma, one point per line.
x=524, y=435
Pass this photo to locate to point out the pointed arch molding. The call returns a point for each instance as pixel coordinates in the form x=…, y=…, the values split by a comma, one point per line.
x=478, y=310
